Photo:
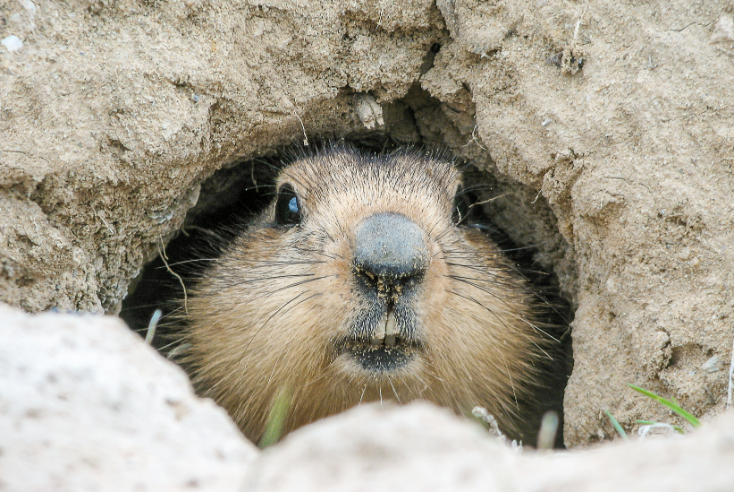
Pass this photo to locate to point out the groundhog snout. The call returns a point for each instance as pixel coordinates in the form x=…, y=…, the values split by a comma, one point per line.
x=389, y=251
x=389, y=265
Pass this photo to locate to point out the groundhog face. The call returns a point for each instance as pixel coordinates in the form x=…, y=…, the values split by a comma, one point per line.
x=361, y=282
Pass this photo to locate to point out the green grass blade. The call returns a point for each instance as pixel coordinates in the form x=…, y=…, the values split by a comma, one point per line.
x=277, y=418
x=548, y=430
x=616, y=425
x=677, y=409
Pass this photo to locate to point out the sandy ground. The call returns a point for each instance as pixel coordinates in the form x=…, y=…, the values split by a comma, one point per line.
x=608, y=127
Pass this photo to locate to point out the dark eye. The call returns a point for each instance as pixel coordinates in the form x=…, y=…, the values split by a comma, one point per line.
x=288, y=207
x=463, y=205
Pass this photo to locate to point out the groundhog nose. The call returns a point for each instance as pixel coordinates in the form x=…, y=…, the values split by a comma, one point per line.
x=390, y=245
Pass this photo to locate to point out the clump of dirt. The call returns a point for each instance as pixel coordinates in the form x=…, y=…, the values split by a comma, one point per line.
x=605, y=128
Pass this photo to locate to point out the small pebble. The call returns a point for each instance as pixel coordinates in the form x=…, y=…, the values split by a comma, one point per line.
x=28, y=5
x=12, y=43
x=711, y=365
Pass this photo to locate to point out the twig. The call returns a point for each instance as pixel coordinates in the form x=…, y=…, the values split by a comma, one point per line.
x=474, y=139
x=578, y=22
x=490, y=200
x=162, y=254
x=537, y=196
x=109, y=227
x=305, y=137
x=152, y=326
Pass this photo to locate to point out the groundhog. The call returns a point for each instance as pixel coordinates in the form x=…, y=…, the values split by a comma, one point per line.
x=364, y=281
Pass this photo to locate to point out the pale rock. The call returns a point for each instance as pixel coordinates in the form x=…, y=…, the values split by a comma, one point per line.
x=85, y=405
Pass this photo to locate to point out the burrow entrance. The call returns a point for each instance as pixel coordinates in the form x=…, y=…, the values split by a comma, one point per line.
x=522, y=221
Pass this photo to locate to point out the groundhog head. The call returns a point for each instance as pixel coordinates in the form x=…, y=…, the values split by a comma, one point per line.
x=363, y=281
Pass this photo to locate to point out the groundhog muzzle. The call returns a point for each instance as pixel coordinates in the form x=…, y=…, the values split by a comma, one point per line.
x=362, y=281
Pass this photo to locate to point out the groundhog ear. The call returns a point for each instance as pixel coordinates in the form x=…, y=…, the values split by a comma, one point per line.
x=287, y=207
x=463, y=204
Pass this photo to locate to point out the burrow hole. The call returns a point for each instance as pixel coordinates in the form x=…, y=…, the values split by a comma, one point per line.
x=525, y=225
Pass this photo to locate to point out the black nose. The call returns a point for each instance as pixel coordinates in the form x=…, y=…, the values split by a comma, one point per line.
x=389, y=247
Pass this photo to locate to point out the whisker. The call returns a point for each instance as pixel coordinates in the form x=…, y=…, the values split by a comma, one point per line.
x=505, y=324
x=389, y=380
x=534, y=292
x=283, y=354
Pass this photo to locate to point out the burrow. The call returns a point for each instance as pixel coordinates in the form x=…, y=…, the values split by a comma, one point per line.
x=242, y=187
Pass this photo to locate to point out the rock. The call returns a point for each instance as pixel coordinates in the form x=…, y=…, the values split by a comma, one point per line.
x=12, y=43
x=86, y=405
x=724, y=30
x=421, y=447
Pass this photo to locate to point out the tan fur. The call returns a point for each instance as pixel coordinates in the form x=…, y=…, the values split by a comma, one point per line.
x=266, y=315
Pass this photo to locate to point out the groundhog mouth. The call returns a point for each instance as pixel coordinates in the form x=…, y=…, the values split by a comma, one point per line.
x=384, y=350
x=379, y=358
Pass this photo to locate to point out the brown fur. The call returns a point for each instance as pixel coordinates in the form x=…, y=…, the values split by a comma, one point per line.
x=270, y=312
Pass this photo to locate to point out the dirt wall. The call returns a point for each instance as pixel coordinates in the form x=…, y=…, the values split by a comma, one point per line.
x=617, y=117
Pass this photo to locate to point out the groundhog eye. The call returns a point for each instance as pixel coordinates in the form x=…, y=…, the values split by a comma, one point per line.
x=463, y=205
x=287, y=208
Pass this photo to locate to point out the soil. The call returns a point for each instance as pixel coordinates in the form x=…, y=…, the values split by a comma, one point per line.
x=604, y=127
